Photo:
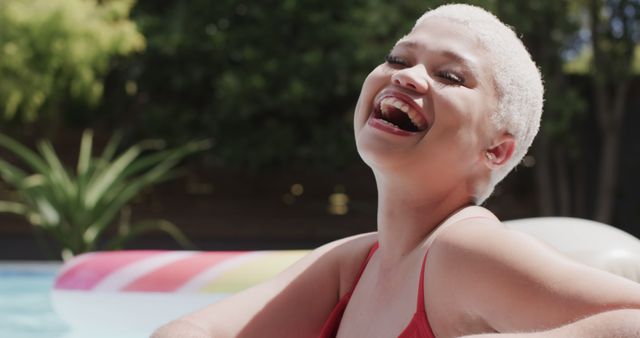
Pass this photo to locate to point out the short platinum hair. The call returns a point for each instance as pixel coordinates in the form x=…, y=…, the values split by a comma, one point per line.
x=517, y=79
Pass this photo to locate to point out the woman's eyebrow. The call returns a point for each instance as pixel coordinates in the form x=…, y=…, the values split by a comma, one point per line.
x=446, y=53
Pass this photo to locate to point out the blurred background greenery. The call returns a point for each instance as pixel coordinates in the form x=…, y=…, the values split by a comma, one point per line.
x=274, y=84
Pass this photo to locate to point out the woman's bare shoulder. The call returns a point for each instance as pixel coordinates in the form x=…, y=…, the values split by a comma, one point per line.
x=480, y=237
x=273, y=308
x=464, y=217
x=472, y=213
x=353, y=244
x=349, y=254
x=464, y=228
x=515, y=282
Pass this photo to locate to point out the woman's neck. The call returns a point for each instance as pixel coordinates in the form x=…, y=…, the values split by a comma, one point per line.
x=408, y=214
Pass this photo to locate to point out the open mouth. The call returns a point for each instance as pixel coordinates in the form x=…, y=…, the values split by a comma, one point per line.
x=400, y=114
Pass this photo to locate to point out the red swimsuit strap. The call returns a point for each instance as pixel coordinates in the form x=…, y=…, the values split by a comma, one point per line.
x=364, y=265
x=421, y=303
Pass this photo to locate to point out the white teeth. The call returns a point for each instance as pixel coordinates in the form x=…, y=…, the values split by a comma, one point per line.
x=391, y=102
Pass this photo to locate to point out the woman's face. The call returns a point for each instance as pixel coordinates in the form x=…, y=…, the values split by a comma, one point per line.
x=427, y=108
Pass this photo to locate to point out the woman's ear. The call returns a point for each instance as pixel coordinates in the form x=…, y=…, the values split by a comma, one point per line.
x=501, y=151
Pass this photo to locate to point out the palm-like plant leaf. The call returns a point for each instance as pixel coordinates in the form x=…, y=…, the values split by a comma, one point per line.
x=29, y=157
x=11, y=174
x=76, y=208
x=123, y=198
x=106, y=178
x=84, y=157
x=107, y=154
x=13, y=207
x=56, y=169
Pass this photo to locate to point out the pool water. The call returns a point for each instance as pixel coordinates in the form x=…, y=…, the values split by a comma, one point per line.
x=25, y=308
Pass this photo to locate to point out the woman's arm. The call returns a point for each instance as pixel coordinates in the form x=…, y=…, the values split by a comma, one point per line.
x=184, y=329
x=515, y=283
x=609, y=324
x=294, y=304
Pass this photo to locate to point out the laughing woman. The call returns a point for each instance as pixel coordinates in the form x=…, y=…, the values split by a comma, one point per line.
x=451, y=111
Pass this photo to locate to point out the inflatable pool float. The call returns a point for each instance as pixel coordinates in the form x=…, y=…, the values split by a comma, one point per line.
x=137, y=291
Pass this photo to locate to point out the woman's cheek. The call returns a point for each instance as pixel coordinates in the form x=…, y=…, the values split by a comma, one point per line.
x=373, y=84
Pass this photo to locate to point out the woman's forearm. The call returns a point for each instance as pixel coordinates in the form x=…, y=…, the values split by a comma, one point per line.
x=181, y=329
x=610, y=324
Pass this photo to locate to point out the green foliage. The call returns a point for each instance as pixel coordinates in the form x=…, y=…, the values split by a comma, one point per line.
x=274, y=82
x=548, y=30
x=77, y=208
x=580, y=64
x=52, y=51
x=616, y=33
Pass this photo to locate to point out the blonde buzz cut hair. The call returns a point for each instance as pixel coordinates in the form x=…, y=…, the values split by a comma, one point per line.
x=517, y=79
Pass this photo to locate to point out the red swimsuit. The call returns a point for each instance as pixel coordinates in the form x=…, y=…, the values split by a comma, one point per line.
x=418, y=327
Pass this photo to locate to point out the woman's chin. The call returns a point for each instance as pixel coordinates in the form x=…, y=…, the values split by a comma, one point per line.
x=379, y=156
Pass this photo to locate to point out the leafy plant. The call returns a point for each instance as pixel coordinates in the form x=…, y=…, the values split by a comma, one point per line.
x=53, y=51
x=77, y=208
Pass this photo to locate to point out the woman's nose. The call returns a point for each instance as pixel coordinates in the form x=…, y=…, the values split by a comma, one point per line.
x=413, y=78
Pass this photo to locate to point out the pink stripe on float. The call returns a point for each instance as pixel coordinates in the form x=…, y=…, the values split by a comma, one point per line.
x=89, y=272
x=172, y=276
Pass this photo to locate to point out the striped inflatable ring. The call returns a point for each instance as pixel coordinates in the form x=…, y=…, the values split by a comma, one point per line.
x=134, y=292
x=108, y=291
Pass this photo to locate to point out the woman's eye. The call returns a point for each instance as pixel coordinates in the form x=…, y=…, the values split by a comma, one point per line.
x=451, y=77
x=395, y=60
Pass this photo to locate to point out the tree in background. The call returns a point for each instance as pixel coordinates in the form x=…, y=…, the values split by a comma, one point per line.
x=615, y=31
x=274, y=82
x=573, y=41
x=54, y=51
x=548, y=30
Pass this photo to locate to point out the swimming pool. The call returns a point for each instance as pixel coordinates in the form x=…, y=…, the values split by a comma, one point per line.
x=25, y=305
x=124, y=294
x=25, y=308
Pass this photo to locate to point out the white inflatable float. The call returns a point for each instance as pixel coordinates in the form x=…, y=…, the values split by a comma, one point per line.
x=134, y=292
